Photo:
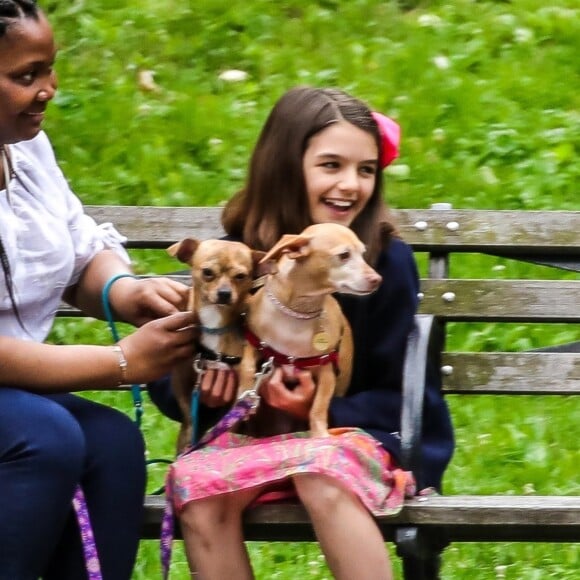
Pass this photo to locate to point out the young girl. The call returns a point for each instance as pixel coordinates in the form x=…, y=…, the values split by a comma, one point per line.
x=319, y=159
x=51, y=442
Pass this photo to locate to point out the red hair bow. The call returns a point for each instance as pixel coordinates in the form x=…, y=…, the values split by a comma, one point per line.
x=390, y=137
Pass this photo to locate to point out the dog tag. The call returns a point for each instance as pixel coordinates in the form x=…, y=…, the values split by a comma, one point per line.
x=321, y=341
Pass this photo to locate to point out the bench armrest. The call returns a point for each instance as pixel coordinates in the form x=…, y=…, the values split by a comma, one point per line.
x=425, y=341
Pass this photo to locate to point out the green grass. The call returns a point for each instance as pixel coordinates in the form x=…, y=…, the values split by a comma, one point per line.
x=487, y=94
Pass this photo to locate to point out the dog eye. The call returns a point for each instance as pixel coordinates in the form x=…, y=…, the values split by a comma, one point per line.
x=344, y=256
x=240, y=277
x=207, y=273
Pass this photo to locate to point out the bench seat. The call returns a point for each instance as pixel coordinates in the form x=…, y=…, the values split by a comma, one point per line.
x=443, y=239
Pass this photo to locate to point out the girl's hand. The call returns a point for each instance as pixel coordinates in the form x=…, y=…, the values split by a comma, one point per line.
x=152, y=350
x=290, y=390
x=140, y=301
x=218, y=387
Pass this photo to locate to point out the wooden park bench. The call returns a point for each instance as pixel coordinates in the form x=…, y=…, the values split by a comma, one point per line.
x=439, y=236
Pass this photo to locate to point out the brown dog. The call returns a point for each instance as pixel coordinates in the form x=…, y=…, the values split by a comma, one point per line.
x=294, y=318
x=222, y=273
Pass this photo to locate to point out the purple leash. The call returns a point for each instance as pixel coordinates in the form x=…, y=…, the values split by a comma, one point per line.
x=245, y=406
x=92, y=563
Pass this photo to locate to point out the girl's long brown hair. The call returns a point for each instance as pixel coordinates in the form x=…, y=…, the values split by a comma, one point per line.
x=274, y=200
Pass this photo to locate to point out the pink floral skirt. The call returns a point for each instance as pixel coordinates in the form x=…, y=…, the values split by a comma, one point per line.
x=234, y=462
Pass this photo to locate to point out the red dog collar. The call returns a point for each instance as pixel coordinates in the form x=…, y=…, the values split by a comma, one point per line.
x=284, y=359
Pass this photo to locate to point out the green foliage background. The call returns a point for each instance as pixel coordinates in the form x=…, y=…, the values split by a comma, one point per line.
x=487, y=94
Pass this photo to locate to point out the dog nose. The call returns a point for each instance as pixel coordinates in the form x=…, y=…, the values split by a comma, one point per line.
x=374, y=279
x=224, y=296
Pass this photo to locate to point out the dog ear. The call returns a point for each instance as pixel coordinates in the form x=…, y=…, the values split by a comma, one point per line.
x=261, y=267
x=257, y=256
x=184, y=250
x=296, y=246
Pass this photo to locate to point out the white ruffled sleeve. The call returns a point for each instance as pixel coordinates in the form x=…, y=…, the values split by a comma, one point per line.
x=91, y=238
x=113, y=240
x=88, y=238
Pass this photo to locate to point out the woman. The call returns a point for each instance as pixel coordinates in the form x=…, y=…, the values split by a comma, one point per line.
x=52, y=442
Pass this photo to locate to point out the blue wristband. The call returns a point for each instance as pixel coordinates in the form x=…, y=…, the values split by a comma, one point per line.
x=135, y=389
x=107, y=305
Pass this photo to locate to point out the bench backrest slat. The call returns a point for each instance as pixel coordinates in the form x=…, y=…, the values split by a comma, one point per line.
x=539, y=301
x=506, y=232
x=537, y=233
x=502, y=300
x=552, y=237
x=511, y=373
x=158, y=227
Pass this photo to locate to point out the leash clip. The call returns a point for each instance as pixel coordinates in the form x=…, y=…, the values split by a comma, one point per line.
x=252, y=395
x=199, y=372
x=251, y=399
x=264, y=373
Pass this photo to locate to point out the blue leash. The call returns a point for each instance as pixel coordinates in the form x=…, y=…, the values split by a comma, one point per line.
x=90, y=554
x=194, y=415
x=194, y=406
x=135, y=389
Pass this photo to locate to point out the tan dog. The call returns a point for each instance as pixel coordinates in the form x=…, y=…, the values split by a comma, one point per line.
x=222, y=273
x=294, y=318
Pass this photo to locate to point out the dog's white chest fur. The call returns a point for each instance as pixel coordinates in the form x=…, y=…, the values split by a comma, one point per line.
x=211, y=318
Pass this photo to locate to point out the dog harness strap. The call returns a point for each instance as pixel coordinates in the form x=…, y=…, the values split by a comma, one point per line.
x=211, y=355
x=218, y=330
x=284, y=359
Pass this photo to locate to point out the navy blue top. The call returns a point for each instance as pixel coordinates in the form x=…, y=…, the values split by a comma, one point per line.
x=380, y=324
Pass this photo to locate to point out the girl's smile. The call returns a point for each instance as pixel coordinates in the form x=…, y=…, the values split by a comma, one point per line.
x=340, y=166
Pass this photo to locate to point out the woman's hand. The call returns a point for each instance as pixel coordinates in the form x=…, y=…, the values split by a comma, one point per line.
x=140, y=301
x=290, y=390
x=152, y=350
x=132, y=300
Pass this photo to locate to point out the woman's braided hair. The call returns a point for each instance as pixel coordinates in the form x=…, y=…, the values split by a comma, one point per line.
x=12, y=9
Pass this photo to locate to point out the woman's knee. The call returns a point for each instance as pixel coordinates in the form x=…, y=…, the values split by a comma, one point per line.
x=40, y=433
x=121, y=434
x=115, y=456
x=111, y=436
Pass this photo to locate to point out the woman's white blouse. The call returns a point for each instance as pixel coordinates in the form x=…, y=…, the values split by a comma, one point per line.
x=48, y=238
